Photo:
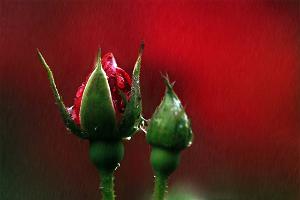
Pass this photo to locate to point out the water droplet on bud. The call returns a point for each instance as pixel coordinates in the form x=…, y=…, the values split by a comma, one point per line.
x=70, y=110
x=117, y=166
x=143, y=125
x=127, y=138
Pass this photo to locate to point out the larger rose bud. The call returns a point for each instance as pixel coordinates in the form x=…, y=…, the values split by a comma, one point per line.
x=107, y=108
x=119, y=83
x=107, y=105
x=102, y=98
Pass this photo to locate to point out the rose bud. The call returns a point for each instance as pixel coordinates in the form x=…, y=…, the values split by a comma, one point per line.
x=118, y=80
x=98, y=102
x=169, y=126
x=107, y=108
x=107, y=105
x=168, y=133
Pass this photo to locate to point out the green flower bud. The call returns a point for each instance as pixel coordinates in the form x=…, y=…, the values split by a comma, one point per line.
x=169, y=132
x=169, y=126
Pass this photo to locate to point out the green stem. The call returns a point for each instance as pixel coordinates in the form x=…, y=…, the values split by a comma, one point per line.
x=107, y=186
x=160, y=187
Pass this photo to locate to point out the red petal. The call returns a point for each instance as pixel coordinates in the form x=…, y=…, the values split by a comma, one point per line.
x=118, y=80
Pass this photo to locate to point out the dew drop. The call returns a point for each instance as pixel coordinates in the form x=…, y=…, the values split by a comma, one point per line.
x=189, y=144
x=70, y=110
x=68, y=130
x=143, y=126
x=127, y=138
x=117, y=166
x=143, y=129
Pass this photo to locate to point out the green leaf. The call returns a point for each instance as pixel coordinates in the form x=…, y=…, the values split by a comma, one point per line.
x=69, y=123
x=132, y=115
x=97, y=114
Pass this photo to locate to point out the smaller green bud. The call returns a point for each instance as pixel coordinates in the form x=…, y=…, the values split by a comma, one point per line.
x=169, y=126
x=169, y=132
x=106, y=155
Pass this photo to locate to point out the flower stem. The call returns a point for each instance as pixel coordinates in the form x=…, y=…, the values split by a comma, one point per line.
x=107, y=186
x=160, y=187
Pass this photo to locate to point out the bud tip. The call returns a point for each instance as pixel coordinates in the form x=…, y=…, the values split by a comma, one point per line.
x=167, y=82
x=142, y=46
x=98, y=59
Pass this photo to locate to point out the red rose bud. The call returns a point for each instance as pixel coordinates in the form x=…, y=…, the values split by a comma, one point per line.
x=119, y=83
x=107, y=105
x=107, y=94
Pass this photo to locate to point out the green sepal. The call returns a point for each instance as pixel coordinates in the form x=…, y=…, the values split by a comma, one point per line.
x=169, y=126
x=97, y=114
x=68, y=121
x=132, y=115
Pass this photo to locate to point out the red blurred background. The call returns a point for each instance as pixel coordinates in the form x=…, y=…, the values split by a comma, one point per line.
x=236, y=67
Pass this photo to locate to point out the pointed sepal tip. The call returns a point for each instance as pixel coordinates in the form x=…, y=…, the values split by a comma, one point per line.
x=68, y=121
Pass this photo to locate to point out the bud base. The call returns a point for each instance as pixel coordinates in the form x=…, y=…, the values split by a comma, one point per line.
x=106, y=155
x=164, y=161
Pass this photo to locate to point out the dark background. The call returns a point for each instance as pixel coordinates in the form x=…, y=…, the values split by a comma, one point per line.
x=236, y=67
